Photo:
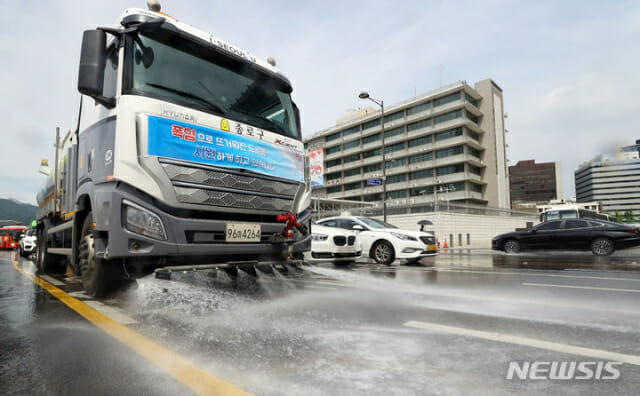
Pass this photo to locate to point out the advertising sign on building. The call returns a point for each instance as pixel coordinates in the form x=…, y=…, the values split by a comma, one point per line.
x=316, y=167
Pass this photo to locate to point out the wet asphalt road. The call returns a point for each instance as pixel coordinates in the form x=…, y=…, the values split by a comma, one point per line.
x=438, y=328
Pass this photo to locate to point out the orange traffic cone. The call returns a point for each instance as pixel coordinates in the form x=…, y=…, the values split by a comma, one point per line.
x=446, y=245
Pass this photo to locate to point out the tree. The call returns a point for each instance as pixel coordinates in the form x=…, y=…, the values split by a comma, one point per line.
x=628, y=217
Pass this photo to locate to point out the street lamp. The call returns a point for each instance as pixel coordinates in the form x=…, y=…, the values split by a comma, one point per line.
x=365, y=95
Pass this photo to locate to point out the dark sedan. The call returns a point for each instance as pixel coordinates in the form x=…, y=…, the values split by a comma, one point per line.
x=601, y=237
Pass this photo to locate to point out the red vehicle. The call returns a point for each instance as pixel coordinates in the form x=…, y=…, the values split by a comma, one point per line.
x=10, y=236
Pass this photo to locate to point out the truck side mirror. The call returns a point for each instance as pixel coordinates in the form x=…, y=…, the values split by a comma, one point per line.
x=44, y=167
x=93, y=58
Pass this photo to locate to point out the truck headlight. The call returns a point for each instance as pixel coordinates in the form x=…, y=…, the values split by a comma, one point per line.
x=319, y=237
x=403, y=236
x=143, y=222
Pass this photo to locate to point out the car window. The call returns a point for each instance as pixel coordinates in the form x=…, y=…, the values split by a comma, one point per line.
x=329, y=223
x=552, y=225
x=570, y=224
x=347, y=224
x=595, y=224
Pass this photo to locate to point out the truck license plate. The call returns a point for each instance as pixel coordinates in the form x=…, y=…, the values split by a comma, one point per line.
x=243, y=232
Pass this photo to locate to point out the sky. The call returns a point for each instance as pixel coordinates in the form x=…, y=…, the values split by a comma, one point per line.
x=569, y=70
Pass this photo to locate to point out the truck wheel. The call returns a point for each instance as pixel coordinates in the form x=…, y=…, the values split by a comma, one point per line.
x=602, y=246
x=99, y=276
x=46, y=263
x=383, y=252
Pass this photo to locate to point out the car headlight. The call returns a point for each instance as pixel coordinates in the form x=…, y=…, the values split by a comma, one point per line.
x=319, y=237
x=403, y=236
x=143, y=222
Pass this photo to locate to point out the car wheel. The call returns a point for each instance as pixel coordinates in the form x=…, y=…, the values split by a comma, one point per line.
x=602, y=246
x=511, y=246
x=99, y=276
x=383, y=253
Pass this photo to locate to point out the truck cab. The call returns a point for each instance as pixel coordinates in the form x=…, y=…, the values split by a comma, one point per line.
x=187, y=150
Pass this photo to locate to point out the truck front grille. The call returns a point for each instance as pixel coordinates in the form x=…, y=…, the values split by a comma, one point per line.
x=215, y=187
x=232, y=200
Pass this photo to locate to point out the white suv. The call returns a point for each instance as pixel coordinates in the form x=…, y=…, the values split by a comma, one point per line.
x=384, y=242
x=28, y=243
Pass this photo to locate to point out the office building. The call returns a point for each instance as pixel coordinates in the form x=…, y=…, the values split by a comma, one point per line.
x=534, y=183
x=452, y=138
x=613, y=179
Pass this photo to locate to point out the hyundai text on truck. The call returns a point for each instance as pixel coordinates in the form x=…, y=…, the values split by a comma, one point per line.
x=187, y=150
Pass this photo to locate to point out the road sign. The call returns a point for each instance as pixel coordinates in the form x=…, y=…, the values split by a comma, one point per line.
x=374, y=182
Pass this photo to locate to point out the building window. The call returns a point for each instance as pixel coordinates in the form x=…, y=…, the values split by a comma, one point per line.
x=473, y=135
x=395, y=163
x=333, y=176
x=449, y=151
x=351, y=158
x=371, y=153
x=334, y=189
x=448, y=116
x=421, y=191
x=351, y=172
x=352, y=186
x=372, y=197
x=371, y=168
x=370, y=139
x=421, y=174
x=393, y=132
x=448, y=134
x=351, y=131
x=332, y=150
x=420, y=141
x=397, y=178
x=474, y=152
x=394, y=147
x=422, y=157
x=470, y=116
x=446, y=99
x=397, y=194
x=475, y=170
x=471, y=99
x=352, y=144
x=448, y=170
x=419, y=124
x=371, y=124
x=306, y=145
x=395, y=116
x=334, y=136
x=475, y=187
x=334, y=162
x=419, y=108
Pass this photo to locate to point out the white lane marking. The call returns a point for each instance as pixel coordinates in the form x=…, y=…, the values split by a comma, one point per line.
x=112, y=312
x=535, y=274
x=582, y=287
x=52, y=280
x=528, y=342
x=80, y=295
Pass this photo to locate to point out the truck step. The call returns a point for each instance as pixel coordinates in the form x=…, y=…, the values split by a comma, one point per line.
x=62, y=251
x=61, y=227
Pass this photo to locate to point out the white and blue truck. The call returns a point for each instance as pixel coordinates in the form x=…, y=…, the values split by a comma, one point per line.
x=187, y=151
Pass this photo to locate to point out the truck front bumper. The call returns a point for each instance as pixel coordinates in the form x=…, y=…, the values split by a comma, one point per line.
x=180, y=245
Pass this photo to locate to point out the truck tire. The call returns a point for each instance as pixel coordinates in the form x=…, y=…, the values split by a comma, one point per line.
x=99, y=276
x=46, y=263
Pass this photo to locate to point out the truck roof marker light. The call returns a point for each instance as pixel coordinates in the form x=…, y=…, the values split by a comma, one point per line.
x=110, y=177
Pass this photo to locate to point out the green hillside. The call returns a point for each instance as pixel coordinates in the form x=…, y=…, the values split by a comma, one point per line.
x=14, y=210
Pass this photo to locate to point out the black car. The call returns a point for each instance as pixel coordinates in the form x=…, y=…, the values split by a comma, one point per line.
x=601, y=237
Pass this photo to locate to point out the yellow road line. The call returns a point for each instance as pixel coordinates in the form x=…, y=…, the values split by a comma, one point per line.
x=200, y=381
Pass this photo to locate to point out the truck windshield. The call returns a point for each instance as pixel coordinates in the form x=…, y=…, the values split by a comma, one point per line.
x=179, y=70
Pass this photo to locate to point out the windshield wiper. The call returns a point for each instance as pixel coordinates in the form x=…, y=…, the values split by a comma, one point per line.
x=259, y=119
x=189, y=95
